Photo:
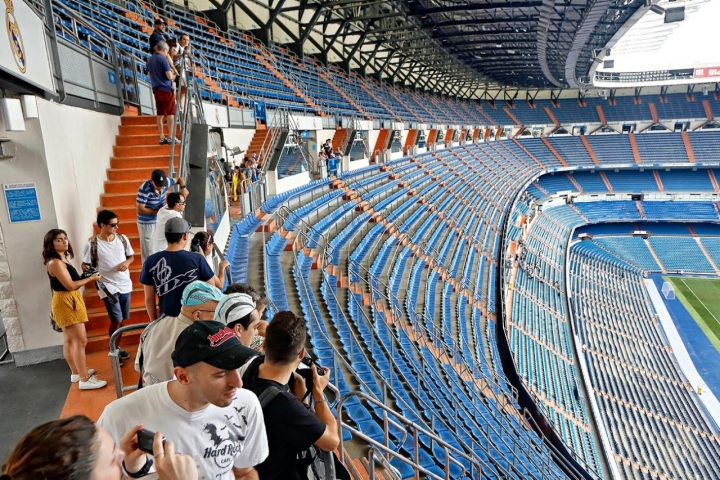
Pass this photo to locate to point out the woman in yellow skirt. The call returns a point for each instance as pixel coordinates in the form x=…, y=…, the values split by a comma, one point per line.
x=68, y=306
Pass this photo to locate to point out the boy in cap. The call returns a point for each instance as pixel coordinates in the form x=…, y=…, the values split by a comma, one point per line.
x=204, y=411
x=151, y=198
x=157, y=341
x=167, y=273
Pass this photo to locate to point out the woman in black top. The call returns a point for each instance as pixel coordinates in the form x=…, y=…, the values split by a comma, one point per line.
x=68, y=306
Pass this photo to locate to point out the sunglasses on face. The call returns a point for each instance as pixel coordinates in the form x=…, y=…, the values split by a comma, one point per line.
x=113, y=225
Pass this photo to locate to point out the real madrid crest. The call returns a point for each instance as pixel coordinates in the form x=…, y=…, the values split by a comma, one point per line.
x=14, y=36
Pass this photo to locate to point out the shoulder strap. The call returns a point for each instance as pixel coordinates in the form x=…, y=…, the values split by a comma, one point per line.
x=267, y=395
x=124, y=242
x=93, y=251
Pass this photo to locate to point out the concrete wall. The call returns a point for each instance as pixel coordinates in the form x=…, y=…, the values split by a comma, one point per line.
x=78, y=146
x=25, y=291
x=65, y=152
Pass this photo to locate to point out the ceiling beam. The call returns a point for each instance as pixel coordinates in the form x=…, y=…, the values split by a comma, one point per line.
x=474, y=7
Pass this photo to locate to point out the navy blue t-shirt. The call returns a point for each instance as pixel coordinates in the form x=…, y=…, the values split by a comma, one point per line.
x=170, y=272
x=155, y=38
x=157, y=67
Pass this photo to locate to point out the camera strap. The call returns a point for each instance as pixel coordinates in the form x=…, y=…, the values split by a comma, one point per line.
x=267, y=395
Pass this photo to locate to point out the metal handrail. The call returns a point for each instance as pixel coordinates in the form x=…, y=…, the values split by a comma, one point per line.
x=114, y=355
x=452, y=454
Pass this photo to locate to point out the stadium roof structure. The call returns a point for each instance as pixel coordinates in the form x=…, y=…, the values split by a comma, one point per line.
x=457, y=47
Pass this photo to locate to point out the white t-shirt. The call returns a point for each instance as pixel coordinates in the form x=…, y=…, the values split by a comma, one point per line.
x=157, y=347
x=164, y=214
x=109, y=256
x=218, y=438
x=214, y=261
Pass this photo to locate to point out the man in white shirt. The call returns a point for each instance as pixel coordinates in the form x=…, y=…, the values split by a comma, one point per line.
x=111, y=254
x=153, y=360
x=174, y=209
x=204, y=412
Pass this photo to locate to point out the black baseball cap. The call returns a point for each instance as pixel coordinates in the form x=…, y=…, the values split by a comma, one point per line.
x=158, y=177
x=210, y=342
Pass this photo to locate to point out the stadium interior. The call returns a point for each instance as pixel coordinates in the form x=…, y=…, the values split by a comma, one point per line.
x=486, y=268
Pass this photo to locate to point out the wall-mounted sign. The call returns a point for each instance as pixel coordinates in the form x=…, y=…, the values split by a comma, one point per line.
x=23, y=48
x=22, y=202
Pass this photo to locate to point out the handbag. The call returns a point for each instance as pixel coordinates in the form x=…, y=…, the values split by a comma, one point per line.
x=54, y=324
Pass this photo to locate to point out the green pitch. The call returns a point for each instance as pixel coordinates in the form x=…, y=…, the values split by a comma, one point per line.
x=701, y=297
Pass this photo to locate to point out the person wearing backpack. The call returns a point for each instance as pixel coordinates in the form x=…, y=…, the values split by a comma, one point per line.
x=111, y=254
x=292, y=428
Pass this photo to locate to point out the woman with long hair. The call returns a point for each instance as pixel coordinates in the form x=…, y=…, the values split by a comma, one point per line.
x=203, y=243
x=76, y=448
x=68, y=306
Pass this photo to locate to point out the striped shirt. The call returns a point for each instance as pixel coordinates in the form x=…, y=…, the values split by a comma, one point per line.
x=148, y=197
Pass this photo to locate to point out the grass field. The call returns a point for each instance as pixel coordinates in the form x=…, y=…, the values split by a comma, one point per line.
x=701, y=297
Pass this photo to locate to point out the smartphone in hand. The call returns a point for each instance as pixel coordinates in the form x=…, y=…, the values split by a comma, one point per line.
x=146, y=438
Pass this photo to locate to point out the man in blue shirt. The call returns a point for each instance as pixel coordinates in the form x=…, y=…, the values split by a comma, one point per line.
x=151, y=198
x=162, y=76
x=158, y=35
x=166, y=273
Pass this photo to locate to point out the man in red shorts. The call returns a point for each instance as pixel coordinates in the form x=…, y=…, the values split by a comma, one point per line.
x=163, y=87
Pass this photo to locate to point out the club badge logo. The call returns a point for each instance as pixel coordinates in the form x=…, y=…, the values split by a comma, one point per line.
x=14, y=36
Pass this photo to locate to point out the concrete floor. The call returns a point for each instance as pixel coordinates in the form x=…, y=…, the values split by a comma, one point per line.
x=29, y=396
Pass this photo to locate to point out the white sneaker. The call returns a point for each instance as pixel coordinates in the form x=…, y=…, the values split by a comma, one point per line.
x=76, y=378
x=92, y=383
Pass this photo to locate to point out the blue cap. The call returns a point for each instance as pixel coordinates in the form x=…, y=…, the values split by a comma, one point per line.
x=199, y=292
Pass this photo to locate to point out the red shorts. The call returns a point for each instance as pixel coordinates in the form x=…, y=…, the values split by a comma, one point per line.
x=164, y=102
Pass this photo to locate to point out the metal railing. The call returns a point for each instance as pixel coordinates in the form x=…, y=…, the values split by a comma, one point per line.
x=115, y=362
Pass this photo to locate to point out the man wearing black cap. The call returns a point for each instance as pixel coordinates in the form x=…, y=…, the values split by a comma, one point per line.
x=204, y=411
x=166, y=273
x=158, y=35
x=151, y=198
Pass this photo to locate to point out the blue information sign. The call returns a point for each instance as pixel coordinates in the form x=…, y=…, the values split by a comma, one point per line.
x=22, y=202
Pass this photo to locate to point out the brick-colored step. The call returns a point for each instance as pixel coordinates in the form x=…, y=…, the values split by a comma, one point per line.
x=125, y=214
x=134, y=140
x=125, y=186
x=110, y=200
x=144, y=130
x=98, y=320
x=144, y=151
x=142, y=120
x=137, y=174
x=150, y=163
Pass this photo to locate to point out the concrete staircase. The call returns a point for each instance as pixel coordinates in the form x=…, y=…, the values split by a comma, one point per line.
x=136, y=154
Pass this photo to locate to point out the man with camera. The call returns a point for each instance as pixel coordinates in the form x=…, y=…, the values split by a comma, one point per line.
x=204, y=411
x=111, y=254
x=292, y=428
